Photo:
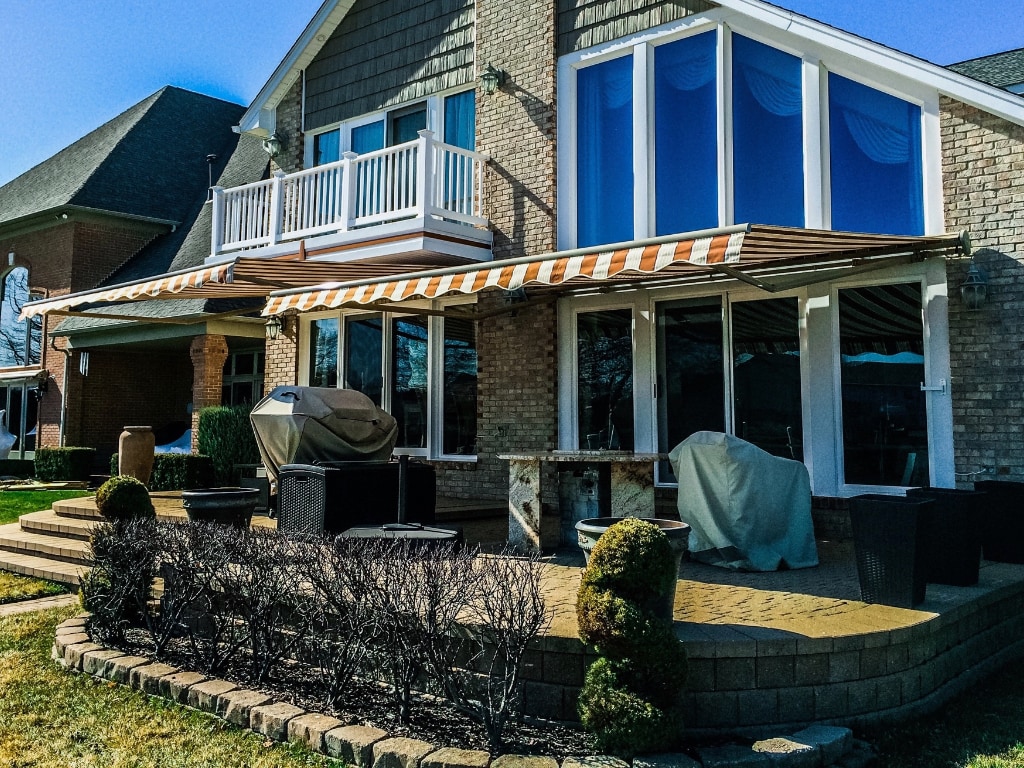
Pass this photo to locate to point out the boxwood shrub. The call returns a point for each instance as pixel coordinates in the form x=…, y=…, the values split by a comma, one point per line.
x=226, y=436
x=176, y=471
x=56, y=464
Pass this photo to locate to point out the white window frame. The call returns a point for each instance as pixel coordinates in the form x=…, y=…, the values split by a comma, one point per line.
x=435, y=122
x=435, y=367
x=817, y=60
x=820, y=396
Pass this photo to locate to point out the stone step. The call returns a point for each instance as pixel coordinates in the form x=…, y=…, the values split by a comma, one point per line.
x=41, y=567
x=14, y=539
x=49, y=523
x=168, y=506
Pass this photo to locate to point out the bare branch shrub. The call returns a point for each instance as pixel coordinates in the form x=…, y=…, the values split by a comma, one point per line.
x=337, y=612
x=119, y=585
x=264, y=589
x=507, y=612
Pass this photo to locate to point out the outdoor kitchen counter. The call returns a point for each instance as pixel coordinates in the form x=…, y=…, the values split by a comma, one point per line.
x=632, y=488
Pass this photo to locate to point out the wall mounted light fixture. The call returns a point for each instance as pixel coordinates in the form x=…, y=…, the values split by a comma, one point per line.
x=273, y=144
x=492, y=78
x=273, y=326
x=974, y=289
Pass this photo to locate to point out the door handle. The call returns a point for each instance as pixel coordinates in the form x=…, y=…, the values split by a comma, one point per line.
x=940, y=388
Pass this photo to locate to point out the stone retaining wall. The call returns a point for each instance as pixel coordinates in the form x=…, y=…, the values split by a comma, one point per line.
x=367, y=747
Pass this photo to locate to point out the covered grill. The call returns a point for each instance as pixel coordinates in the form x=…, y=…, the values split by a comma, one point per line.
x=314, y=425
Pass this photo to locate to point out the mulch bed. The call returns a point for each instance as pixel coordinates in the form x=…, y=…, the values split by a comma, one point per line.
x=368, y=703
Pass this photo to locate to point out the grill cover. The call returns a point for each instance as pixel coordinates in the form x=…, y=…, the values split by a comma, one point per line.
x=748, y=510
x=306, y=425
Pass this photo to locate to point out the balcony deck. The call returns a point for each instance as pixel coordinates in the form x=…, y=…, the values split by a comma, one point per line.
x=421, y=197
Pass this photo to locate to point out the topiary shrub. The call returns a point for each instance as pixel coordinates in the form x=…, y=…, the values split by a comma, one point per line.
x=226, y=436
x=124, y=498
x=181, y=472
x=630, y=697
x=57, y=464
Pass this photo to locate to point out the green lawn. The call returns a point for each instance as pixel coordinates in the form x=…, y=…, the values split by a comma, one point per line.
x=983, y=728
x=14, y=504
x=51, y=718
x=14, y=588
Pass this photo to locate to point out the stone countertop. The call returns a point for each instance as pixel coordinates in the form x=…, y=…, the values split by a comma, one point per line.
x=591, y=456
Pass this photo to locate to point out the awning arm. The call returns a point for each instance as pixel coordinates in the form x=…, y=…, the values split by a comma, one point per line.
x=161, y=320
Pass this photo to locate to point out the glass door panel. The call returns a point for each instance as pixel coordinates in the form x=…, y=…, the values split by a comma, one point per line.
x=881, y=344
x=409, y=381
x=691, y=375
x=364, y=356
x=323, y=352
x=766, y=375
x=604, y=359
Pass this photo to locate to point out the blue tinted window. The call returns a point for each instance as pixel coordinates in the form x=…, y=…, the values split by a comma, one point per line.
x=460, y=120
x=875, y=145
x=604, y=181
x=686, y=135
x=325, y=148
x=367, y=138
x=768, y=157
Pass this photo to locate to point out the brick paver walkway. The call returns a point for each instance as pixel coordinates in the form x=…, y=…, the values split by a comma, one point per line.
x=39, y=604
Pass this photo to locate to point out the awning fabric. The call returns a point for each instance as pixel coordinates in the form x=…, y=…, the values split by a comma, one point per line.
x=747, y=251
x=239, y=278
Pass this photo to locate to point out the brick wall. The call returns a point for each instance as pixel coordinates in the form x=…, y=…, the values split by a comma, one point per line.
x=516, y=125
x=282, y=357
x=125, y=387
x=99, y=249
x=289, y=128
x=983, y=187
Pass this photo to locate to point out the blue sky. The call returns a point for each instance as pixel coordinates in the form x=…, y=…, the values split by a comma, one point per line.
x=68, y=66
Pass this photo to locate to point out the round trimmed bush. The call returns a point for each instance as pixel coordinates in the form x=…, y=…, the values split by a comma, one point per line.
x=630, y=697
x=124, y=498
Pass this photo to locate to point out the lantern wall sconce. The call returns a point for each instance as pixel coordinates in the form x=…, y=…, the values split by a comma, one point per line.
x=492, y=78
x=273, y=327
x=273, y=144
x=974, y=289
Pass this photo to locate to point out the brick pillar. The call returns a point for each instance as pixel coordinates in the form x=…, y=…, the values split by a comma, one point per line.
x=208, y=354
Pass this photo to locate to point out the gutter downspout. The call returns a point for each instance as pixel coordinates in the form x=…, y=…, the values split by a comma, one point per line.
x=63, y=391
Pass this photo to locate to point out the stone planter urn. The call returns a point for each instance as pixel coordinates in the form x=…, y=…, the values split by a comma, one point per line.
x=589, y=531
x=135, y=453
x=228, y=506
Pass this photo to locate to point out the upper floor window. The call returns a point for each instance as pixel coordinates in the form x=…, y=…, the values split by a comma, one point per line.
x=452, y=118
x=20, y=340
x=678, y=134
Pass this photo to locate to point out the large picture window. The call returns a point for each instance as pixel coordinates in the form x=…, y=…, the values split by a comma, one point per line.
x=422, y=370
x=20, y=340
x=708, y=127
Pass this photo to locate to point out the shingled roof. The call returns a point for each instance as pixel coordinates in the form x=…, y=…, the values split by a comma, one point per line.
x=147, y=162
x=1000, y=69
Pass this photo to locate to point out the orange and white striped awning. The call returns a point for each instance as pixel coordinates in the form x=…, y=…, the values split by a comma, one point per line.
x=239, y=278
x=742, y=251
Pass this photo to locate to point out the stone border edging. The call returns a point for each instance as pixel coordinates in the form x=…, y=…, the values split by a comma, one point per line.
x=366, y=747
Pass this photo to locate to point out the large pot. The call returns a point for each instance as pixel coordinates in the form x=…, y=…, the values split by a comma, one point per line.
x=230, y=506
x=135, y=453
x=589, y=531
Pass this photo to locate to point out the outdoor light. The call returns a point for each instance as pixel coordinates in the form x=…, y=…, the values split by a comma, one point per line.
x=273, y=144
x=491, y=79
x=273, y=326
x=974, y=290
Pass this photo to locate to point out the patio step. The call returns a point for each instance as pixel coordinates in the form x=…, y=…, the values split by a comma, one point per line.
x=41, y=567
x=50, y=523
x=168, y=507
x=14, y=539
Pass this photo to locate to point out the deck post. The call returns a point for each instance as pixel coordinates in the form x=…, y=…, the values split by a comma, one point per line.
x=425, y=173
x=276, y=207
x=217, y=226
x=348, y=190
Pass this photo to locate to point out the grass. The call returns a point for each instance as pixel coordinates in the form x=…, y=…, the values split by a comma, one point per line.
x=51, y=718
x=14, y=504
x=14, y=588
x=982, y=728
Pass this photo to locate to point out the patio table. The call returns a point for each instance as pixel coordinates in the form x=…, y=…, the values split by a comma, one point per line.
x=632, y=488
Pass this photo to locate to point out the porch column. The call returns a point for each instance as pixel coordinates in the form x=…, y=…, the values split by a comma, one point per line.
x=208, y=354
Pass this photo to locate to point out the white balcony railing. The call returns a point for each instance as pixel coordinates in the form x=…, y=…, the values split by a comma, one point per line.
x=421, y=178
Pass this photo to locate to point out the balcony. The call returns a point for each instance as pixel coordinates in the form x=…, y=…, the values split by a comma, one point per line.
x=417, y=189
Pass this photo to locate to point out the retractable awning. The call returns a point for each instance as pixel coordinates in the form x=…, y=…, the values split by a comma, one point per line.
x=773, y=258
x=238, y=278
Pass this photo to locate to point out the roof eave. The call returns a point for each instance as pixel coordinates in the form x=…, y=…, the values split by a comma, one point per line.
x=259, y=118
x=947, y=82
